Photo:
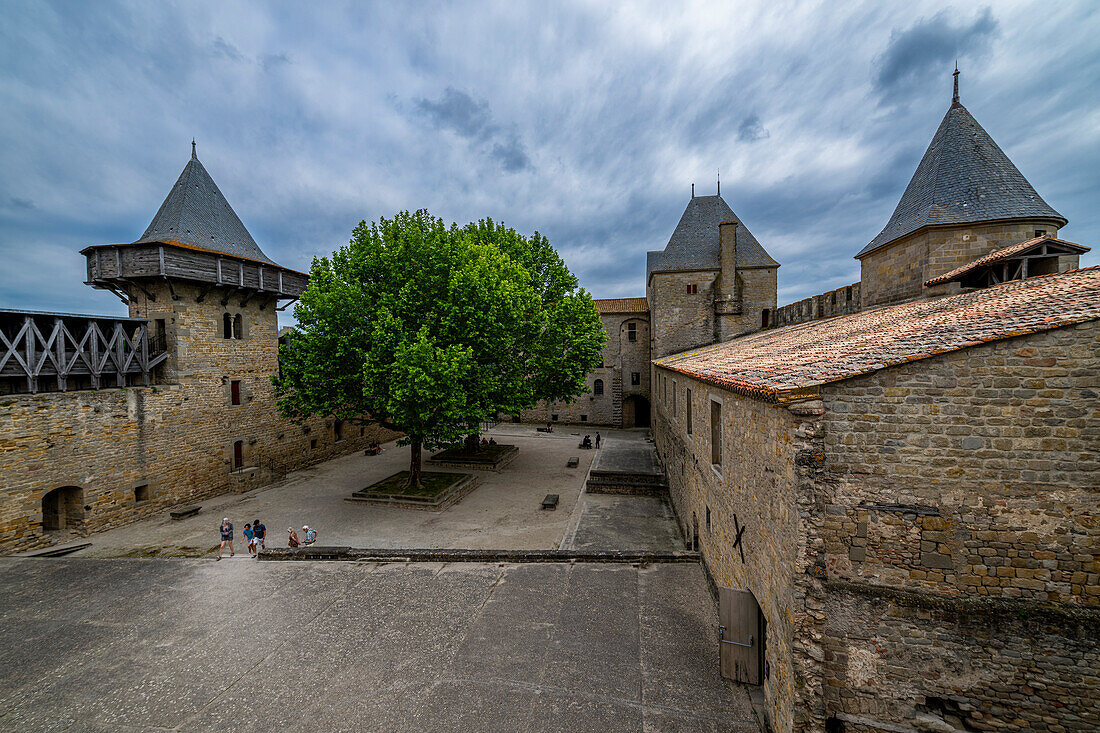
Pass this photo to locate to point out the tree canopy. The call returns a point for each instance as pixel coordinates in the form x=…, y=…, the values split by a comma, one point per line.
x=430, y=329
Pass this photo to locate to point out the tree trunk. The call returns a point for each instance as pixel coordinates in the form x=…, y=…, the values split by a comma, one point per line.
x=473, y=443
x=414, y=466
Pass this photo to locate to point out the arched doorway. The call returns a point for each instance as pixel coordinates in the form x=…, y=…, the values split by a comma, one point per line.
x=635, y=412
x=62, y=509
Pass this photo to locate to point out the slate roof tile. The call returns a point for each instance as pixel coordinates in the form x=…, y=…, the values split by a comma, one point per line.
x=196, y=215
x=964, y=177
x=694, y=243
x=792, y=362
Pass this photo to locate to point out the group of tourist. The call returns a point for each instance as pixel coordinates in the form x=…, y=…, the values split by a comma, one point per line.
x=256, y=534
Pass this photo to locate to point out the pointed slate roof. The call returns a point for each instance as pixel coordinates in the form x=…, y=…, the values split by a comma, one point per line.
x=964, y=177
x=195, y=214
x=694, y=243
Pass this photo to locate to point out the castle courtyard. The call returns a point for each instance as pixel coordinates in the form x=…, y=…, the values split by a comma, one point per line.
x=503, y=513
x=184, y=644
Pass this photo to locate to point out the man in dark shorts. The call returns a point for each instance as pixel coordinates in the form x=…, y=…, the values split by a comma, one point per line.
x=259, y=531
x=226, y=529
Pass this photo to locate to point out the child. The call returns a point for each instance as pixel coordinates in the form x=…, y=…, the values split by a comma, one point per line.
x=251, y=537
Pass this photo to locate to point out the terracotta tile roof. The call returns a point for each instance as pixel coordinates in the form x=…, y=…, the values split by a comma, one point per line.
x=621, y=305
x=1001, y=254
x=790, y=363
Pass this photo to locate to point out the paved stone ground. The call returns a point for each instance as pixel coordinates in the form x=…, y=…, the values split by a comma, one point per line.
x=627, y=451
x=195, y=645
x=623, y=522
x=502, y=513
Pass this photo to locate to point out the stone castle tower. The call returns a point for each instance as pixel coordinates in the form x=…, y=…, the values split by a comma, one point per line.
x=965, y=200
x=713, y=280
x=209, y=294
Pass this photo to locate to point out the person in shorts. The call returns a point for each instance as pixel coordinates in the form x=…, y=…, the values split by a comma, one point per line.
x=251, y=537
x=310, y=535
x=259, y=532
x=226, y=530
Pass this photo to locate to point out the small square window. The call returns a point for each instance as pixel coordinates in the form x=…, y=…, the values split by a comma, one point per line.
x=554, y=418
x=142, y=493
x=635, y=378
x=1040, y=232
x=584, y=418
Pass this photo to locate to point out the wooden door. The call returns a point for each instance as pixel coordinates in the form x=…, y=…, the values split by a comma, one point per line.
x=740, y=644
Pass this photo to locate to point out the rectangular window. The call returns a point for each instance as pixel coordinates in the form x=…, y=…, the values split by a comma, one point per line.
x=338, y=430
x=312, y=443
x=716, y=433
x=765, y=315
x=238, y=454
x=142, y=493
x=554, y=418
x=687, y=409
x=235, y=392
x=635, y=377
x=632, y=332
x=692, y=289
x=584, y=418
x=708, y=518
x=674, y=398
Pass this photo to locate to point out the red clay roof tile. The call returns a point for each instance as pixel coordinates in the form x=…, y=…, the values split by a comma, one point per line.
x=791, y=363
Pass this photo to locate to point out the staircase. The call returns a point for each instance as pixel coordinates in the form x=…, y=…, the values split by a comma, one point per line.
x=617, y=401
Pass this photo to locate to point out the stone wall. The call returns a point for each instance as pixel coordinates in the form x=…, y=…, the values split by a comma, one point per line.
x=758, y=293
x=622, y=358
x=761, y=481
x=974, y=472
x=953, y=665
x=897, y=272
x=832, y=303
x=681, y=319
x=922, y=540
x=176, y=439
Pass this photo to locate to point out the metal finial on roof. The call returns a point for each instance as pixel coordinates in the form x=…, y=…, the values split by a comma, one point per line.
x=955, y=96
x=693, y=190
x=193, y=154
x=719, y=181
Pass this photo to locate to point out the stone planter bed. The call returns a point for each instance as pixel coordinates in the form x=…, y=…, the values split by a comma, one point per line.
x=440, y=490
x=488, y=458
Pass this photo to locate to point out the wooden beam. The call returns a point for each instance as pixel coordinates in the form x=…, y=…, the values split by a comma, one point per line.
x=203, y=294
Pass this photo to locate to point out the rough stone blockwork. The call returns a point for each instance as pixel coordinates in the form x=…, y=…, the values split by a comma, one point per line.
x=921, y=539
x=130, y=453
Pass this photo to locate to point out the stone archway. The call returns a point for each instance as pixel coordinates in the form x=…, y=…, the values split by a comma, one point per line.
x=63, y=509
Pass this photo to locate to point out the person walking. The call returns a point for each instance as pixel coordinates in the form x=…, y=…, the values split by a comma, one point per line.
x=227, y=537
x=293, y=541
x=310, y=536
x=250, y=536
x=260, y=533
x=597, y=441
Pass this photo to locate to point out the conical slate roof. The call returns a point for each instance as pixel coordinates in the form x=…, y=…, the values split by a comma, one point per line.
x=694, y=244
x=964, y=177
x=195, y=214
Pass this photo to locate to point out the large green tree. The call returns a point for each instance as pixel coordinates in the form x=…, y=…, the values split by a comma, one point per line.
x=429, y=329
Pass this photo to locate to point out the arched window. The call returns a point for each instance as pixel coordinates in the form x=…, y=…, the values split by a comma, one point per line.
x=227, y=326
x=238, y=326
x=597, y=387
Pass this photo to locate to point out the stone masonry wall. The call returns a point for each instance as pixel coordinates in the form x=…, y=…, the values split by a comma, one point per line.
x=758, y=293
x=765, y=470
x=177, y=439
x=954, y=666
x=621, y=358
x=681, y=320
x=896, y=273
x=974, y=472
x=833, y=303
x=965, y=488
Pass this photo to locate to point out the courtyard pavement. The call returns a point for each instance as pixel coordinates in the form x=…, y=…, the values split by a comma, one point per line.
x=193, y=645
x=504, y=512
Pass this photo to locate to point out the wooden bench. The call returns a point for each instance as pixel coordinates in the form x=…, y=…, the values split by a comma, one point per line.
x=572, y=462
x=550, y=502
x=185, y=512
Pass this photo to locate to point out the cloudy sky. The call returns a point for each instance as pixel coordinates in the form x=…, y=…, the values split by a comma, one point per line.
x=586, y=121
